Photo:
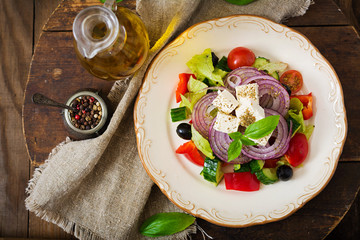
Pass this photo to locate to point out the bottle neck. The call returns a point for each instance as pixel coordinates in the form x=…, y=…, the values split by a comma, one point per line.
x=95, y=29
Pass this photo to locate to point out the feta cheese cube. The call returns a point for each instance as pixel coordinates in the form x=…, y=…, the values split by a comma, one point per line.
x=249, y=113
x=225, y=102
x=249, y=92
x=262, y=141
x=226, y=123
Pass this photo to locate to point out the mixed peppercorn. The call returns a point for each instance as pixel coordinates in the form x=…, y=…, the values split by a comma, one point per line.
x=87, y=112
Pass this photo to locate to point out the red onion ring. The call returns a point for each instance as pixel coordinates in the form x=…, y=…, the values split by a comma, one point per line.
x=239, y=75
x=201, y=119
x=278, y=148
x=220, y=142
x=269, y=85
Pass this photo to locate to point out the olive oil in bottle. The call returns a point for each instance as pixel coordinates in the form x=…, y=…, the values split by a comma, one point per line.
x=110, y=45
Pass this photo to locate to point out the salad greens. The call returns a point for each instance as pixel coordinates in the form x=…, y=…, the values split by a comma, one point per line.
x=201, y=143
x=202, y=66
x=190, y=98
x=296, y=117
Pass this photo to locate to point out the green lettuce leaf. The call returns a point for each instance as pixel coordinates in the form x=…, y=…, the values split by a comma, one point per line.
x=201, y=143
x=308, y=131
x=295, y=115
x=201, y=65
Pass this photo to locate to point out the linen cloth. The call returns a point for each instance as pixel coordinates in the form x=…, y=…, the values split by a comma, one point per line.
x=97, y=188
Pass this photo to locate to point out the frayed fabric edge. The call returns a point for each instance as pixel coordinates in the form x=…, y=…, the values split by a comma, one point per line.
x=303, y=9
x=68, y=226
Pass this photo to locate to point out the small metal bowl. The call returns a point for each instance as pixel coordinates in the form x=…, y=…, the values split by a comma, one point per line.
x=97, y=130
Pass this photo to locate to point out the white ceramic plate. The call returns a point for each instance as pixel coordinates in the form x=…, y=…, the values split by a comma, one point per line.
x=179, y=179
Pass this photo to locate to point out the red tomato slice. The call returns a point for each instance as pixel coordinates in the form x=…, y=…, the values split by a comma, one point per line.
x=293, y=79
x=241, y=181
x=190, y=152
x=182, y=85
x=298, y=150
x=307, y=102
x=271, y=163
x=239, y=57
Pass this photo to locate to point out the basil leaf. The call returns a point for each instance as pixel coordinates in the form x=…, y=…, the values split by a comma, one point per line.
x=234, y=149
x=222, y=64
x=262, y=127
x=163, y=224
x=240, y=2
x=247, y=141
x=235, y=135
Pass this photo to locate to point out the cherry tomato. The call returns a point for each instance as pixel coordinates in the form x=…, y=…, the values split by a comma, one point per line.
x=293, y=79
x=239, y=57
x=298, y=150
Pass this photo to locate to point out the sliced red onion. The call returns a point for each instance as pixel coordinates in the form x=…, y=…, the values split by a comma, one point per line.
x=270, y=86
x=266, y=101
x=278, y=148
x=220, y=142
x=201, y=118
x=239, y=75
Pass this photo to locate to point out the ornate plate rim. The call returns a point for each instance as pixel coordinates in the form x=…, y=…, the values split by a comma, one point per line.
x=141, y=142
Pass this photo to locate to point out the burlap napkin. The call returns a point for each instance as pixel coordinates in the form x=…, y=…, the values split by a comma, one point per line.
x=97, y=188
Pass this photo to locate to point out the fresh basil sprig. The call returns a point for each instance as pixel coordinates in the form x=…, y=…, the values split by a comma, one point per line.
x=255, y=130
x=163, y=224
x=240, y=2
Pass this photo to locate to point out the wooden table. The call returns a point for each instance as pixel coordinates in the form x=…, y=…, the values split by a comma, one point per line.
x=331, y=30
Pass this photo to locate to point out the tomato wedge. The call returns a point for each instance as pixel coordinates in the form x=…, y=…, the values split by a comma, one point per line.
x=307, y=102
x=271, y=163
x=190, y=152
x=182, y=85
x=242, y=181
x=298, y=150
x=293, y=79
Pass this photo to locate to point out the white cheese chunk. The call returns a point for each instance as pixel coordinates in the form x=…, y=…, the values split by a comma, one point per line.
x=225, y=102
x=262, y=141
x=249, y=92
x=249, y=112
x=226, y=123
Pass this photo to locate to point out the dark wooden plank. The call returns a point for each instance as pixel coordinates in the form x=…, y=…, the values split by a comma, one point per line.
x=313, y=221
x=321, y=13
x=43, y=11
x=348, y=228
x=38, y=227
x=16, y=32
x=61, y=76
x=341, y=47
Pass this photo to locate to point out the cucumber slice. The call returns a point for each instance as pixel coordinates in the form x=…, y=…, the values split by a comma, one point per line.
x=267, y=176
x=256, y=165
x=275, y=75
x=270, y=68
x=245, y=167
x=212, y=170
x=260, y=61
x=178, y=114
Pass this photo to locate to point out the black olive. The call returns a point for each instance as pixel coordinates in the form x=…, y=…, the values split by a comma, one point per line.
x=287, y=88
x=284, y=172
x=214, y=59
x=184, y=131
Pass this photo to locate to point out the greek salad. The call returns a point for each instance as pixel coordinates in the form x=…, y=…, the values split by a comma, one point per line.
x=244, y=113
